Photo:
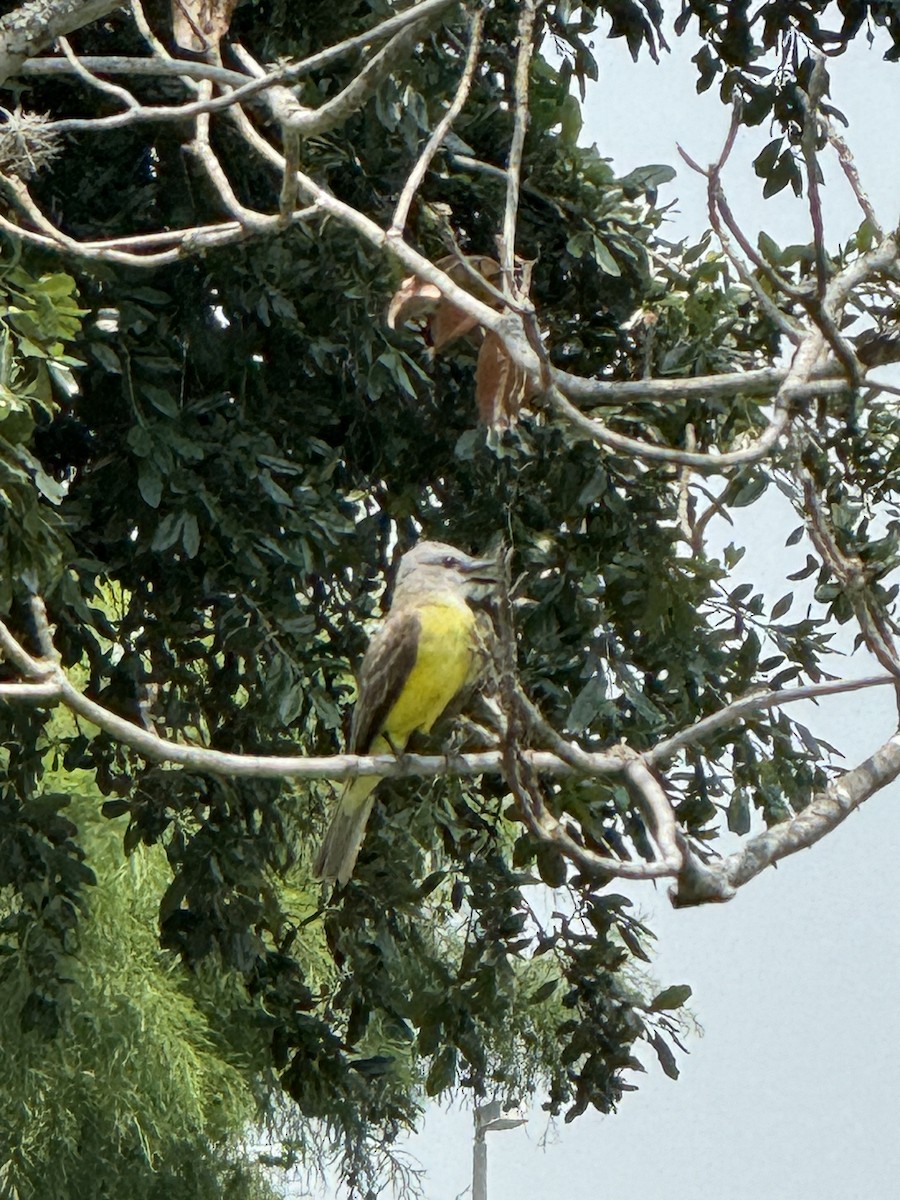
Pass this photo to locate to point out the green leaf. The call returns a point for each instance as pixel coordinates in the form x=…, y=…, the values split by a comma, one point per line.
x=764, y=163
x=769, y=249
x=739, y=812
x=671, y=997
x=544, y=992
x=106, y=357
x=168, y=531
x=273, y=489
x=812, y=565
x=163, y=401
x=665, y=1055
x=633, y=942
x=750, y=491
x=551, y=866
x=587, y=704
x=190, y=538
x=149, y=484
x=442, y=1073
x=782, y=606
x=430, y=882
x=604, y=259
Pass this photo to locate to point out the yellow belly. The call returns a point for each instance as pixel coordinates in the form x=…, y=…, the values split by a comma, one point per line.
x=444, y=661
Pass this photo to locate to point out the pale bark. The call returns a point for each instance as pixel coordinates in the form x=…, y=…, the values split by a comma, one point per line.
x=34, y=26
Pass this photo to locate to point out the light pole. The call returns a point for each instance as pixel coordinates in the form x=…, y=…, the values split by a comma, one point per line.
x=487, y=1117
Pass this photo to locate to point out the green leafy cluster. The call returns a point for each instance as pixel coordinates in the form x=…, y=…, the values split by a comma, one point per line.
x=39, y=321
x=145, y=1086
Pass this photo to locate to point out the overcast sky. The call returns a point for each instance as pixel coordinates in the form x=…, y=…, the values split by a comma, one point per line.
x=792, y=1091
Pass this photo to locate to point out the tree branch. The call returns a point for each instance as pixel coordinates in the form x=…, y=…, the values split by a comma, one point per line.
x=443, y=127
x=44, y=681
x=33, y=26
x=755, y=702
x=848, y=166
x=703, y=883
x=516, y=149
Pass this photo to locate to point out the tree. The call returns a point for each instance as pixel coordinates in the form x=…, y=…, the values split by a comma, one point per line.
x=215, y=444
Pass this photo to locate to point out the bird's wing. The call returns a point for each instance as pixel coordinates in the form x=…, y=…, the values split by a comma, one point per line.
x=385, y=669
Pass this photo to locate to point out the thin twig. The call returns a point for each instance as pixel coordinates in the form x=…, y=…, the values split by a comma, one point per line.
x=517, y=147
x=715, y=194
x=850, y=571
x=203, y=153
x=434, y=143
x=808, y=137
x=848, y=165
x=684, y=488
x=160, y=54
x=758, y=701
x=102, y=85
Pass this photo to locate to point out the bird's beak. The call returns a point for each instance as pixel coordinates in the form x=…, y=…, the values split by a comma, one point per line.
x=487, y=572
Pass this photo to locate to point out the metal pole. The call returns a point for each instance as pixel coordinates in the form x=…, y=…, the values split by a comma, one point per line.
x=479, y=1167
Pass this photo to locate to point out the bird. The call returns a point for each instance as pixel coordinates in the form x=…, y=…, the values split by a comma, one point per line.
x=427, y=650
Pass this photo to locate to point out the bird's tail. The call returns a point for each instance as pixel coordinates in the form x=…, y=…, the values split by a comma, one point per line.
x=344, y=837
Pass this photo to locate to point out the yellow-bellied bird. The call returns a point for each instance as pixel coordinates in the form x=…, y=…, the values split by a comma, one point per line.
x=427, y=650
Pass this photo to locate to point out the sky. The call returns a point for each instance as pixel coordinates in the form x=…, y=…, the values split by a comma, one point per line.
x=793, y=1090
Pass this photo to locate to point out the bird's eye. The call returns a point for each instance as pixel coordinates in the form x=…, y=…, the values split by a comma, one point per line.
x=450, y=561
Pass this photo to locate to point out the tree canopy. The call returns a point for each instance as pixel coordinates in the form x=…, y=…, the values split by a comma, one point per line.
x=266, y=325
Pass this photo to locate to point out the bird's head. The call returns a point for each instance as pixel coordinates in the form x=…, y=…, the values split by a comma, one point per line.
x=443, y=567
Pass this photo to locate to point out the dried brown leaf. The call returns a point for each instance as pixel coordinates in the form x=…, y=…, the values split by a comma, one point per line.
x=447, y=324
x=199, y=25
x=418, y=301
x=500, y=385
x=413, y=300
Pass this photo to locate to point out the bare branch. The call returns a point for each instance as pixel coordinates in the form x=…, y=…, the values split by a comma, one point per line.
x=335, y=112
x=83, y=72
x=685, y=500
x=181, y=242
x=809, y=102
x=157, y=68
x=715, y=194
x=34, y=25
x=443, y=127
x=271, y=88
x=604, y=436
x=516, y=149
x=825, y=379
x=159, y=51
x=850, y=571
x=658, y=809
x=716, y=200
x=287, y=200
x=755, y=702
x=848, y=165
x=45, y=681
x=203, y=153
x=42, y=629
x=878, y=261
x=424, y=11
x=702, y=883
x=35, y=693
